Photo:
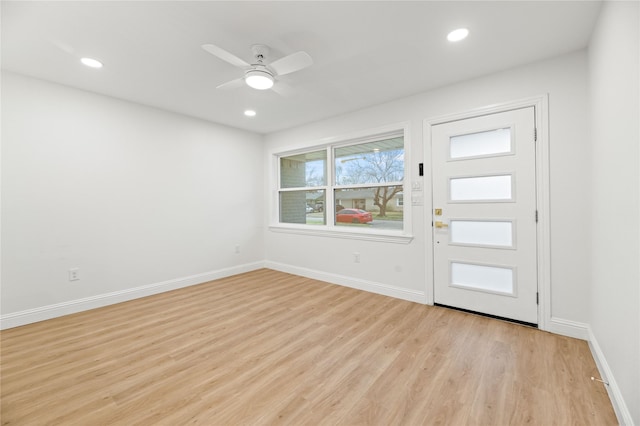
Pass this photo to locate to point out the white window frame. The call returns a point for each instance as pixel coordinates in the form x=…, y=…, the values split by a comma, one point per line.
x=330, y=229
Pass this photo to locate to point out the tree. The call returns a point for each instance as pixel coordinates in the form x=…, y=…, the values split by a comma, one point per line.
x=382, y=195
x=314, y=178
x=314, y=173
x=378, y=167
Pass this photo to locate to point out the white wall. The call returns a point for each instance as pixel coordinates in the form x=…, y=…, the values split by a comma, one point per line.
x=615, y=120
x=131, y=195
x=564, y=79
x=135, y=196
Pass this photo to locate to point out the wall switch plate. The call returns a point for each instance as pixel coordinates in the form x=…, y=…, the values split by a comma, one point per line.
x=356, y=257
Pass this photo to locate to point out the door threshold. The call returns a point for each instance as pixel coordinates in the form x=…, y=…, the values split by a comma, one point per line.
x=526, y=324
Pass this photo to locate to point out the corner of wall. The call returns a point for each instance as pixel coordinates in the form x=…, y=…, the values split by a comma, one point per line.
x=615, y=395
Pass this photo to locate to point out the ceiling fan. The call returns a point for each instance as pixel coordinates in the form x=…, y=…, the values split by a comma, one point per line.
x=260, y=75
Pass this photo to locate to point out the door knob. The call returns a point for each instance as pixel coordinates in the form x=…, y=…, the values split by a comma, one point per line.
x=440, y=224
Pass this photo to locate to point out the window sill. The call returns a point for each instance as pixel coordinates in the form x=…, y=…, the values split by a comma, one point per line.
x=380, y=236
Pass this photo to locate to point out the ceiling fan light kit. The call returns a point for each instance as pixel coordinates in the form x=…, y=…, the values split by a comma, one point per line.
x=259, y=79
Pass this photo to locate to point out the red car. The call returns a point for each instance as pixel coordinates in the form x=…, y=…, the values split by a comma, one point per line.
x=353, y=216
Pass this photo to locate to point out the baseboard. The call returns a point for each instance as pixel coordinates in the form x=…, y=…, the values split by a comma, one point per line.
x=568, y=328
x=370, y=286
x=29, y=316
x=619, y=406
x=583, y=331
x=556, y=325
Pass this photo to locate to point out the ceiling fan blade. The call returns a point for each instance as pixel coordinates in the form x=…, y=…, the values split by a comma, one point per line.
x=294, y=62
x=233, y=84
x=283, y=89
x=224, y=55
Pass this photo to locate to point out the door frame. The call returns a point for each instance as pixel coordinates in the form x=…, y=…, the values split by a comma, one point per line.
x=543, y=242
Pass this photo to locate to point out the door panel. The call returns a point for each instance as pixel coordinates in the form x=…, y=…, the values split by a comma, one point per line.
x=482, y=233
x=484, y=198
x=481, y=188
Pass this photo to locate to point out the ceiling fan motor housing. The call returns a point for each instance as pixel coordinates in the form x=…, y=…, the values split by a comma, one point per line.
x=260, y=52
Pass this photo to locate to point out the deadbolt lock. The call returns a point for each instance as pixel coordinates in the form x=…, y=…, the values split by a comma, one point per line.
x=438, y=212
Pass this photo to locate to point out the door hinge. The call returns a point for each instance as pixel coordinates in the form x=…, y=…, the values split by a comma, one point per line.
x=537, y=298
x=536, y=216
x=535, y=134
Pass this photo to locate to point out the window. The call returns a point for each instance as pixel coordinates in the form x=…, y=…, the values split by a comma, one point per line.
x=303, y=188
x=355, y=185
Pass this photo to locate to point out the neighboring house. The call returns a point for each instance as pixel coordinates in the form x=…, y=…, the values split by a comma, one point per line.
x=355, y=199
x=363, y=199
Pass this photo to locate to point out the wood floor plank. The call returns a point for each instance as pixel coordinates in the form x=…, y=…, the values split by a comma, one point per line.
x=266, y=348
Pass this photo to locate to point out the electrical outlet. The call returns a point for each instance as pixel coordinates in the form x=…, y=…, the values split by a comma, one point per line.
x=237, y=248
x=74, y=274
x=356, y=257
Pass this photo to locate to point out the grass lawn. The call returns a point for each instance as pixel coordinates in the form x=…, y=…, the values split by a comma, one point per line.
x=390, y=216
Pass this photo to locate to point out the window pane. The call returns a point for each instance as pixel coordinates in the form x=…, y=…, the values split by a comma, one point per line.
x=485, y=233
x=375, y=207
x=371, y=162
x=303, y=170
x=490, y=278
x=306, y=207
x=486, y=188
x=480, y=144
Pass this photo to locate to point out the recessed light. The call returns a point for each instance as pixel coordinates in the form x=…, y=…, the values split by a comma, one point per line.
x=457, y=35
x=90, y=62
x=250, y=113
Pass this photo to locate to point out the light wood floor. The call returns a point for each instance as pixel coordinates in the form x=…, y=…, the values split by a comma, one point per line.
x=270, y=348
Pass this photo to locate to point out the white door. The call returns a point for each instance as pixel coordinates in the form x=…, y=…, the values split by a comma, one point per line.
x=484, y=218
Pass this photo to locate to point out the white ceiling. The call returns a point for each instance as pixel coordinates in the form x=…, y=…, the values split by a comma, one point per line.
x=364, y=52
